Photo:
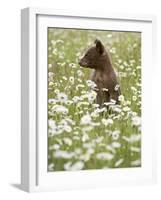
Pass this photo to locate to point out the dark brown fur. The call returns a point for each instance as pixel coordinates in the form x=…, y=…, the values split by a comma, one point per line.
x=98, y=59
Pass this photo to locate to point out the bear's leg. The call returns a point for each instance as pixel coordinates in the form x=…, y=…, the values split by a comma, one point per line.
x=114, y=96
x=106, y=97
x=99, y=98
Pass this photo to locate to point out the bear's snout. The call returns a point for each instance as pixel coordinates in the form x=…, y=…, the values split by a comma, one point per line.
x=82, y=63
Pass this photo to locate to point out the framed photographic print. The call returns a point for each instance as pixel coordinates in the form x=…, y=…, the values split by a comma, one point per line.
x=87, y=103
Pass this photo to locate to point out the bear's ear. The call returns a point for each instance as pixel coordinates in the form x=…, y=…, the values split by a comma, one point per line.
x=99, y=46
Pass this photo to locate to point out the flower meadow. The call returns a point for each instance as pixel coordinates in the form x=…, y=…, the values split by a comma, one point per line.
x=81, y=134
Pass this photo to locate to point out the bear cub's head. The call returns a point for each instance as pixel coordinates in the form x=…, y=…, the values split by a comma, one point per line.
x=94, y=57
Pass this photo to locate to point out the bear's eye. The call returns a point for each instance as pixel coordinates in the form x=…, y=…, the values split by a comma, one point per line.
x=86, y=54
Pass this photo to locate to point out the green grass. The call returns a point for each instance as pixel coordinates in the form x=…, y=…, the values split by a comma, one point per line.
x=80, y=134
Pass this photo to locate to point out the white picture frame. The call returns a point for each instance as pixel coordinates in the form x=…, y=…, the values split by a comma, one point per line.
x=34, y=175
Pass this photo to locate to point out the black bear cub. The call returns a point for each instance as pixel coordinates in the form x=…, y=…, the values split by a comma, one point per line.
x=104, y=76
